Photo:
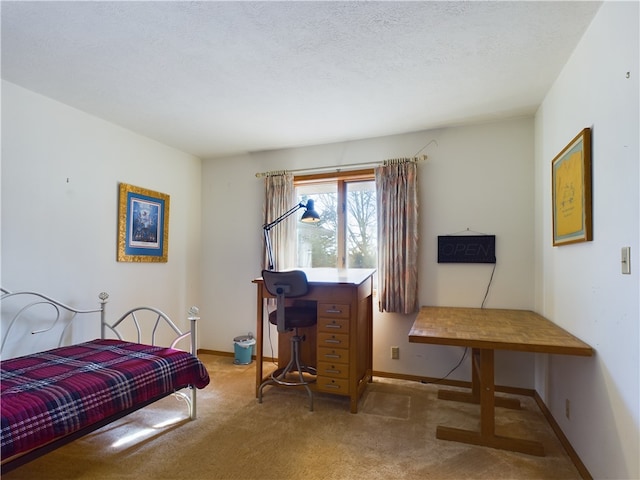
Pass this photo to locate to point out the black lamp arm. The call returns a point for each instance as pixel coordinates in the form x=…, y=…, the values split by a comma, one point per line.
x=268, y=226
x=310, y=216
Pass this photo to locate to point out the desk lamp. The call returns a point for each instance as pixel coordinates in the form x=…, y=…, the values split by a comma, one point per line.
x=309, y=216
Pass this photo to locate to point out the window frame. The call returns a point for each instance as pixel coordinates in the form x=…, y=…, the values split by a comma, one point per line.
x=341, y=179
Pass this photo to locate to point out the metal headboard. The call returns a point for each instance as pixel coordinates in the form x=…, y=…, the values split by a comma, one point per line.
x=59, y=308
x=34, y=299
x=160, y=318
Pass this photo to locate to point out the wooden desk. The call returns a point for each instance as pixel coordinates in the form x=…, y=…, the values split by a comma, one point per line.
x=487, y=330
x=340, y=345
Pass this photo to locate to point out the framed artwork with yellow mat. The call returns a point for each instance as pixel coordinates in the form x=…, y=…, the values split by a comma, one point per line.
x=571, y=192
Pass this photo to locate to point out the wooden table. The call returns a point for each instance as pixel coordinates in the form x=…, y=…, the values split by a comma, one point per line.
x=487, y=330
x=341, y=344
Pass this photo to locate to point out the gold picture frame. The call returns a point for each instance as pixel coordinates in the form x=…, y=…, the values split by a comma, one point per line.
x=571, y=192
x=143, y=225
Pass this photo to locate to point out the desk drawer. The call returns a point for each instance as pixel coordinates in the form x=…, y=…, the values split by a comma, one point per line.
x=333, y=310
x=333, y=325
x=337, y=340
x=332, y=385
x=333, y=355
x=334, y=370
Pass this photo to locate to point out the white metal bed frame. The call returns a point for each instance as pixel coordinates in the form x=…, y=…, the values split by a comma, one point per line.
x=105, y=326
x=61, y=308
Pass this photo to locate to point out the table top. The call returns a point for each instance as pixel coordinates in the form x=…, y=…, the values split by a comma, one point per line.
x=497, y=329
x=333, y=276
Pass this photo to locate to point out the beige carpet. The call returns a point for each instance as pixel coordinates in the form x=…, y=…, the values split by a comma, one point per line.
x=234, y=437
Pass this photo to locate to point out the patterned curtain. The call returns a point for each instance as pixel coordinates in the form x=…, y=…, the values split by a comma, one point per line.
x=397, y=203
x=280, y=197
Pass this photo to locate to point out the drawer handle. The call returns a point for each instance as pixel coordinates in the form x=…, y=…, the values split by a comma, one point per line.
x=330, y=340
x=332, y=355
x=331, y=385
x=332, y=370
x=333, y=310
x=333, y=325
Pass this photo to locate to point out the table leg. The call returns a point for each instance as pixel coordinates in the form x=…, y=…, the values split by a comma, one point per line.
x=483, y=392
x=474, y=396
x=259, y=334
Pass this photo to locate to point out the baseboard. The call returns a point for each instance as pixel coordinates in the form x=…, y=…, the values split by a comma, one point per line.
x=231, y=354
x=417, y=378
x=215, y=352
x=452, y=383
x=582, y=469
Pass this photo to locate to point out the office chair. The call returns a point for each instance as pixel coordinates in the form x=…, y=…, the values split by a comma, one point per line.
x=287, y=318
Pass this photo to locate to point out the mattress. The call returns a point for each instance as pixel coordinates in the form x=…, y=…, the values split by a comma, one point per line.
x=51, y=394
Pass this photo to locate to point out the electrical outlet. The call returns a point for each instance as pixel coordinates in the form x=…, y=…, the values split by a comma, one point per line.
x=567, y=408
x=395, y=353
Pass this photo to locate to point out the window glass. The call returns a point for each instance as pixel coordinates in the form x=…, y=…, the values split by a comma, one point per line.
x=345, y=237
x=318, y=243
x=361, y=232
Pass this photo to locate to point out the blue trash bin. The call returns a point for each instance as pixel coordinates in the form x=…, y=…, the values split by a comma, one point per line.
x=243, y=349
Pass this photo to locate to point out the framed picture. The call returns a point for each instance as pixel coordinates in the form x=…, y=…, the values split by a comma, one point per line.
x=571, y=191
x=143, y=225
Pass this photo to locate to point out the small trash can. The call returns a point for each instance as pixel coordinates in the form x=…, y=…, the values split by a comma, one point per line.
x=243, y=349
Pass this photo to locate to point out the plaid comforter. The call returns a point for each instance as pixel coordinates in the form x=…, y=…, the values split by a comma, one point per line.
x=50, y=394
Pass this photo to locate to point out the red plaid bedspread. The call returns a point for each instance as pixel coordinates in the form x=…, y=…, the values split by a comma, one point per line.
x=50, y=394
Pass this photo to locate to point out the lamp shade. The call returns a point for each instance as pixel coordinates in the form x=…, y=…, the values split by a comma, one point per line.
x=310, y=215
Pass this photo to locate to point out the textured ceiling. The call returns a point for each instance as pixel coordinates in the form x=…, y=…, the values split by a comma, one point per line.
x=219, y=78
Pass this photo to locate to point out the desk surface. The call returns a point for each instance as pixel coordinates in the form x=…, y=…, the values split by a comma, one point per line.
x=486, y=330
x=335, y=276
x=497, y=329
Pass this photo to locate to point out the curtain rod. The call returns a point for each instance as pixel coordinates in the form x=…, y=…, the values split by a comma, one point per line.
x=339, y=168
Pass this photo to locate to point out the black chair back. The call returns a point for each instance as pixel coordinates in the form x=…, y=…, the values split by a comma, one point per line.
x=291, y=283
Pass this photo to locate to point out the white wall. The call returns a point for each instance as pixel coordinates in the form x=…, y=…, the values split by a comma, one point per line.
x=581, y=286
x=476, y=177
x=59, y=236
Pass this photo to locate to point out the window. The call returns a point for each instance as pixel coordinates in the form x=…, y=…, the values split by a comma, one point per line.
x=346, y=235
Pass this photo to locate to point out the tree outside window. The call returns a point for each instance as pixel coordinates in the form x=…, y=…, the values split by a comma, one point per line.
x=345, y=237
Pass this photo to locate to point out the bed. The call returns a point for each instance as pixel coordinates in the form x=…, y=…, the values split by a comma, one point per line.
x=52, y=397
